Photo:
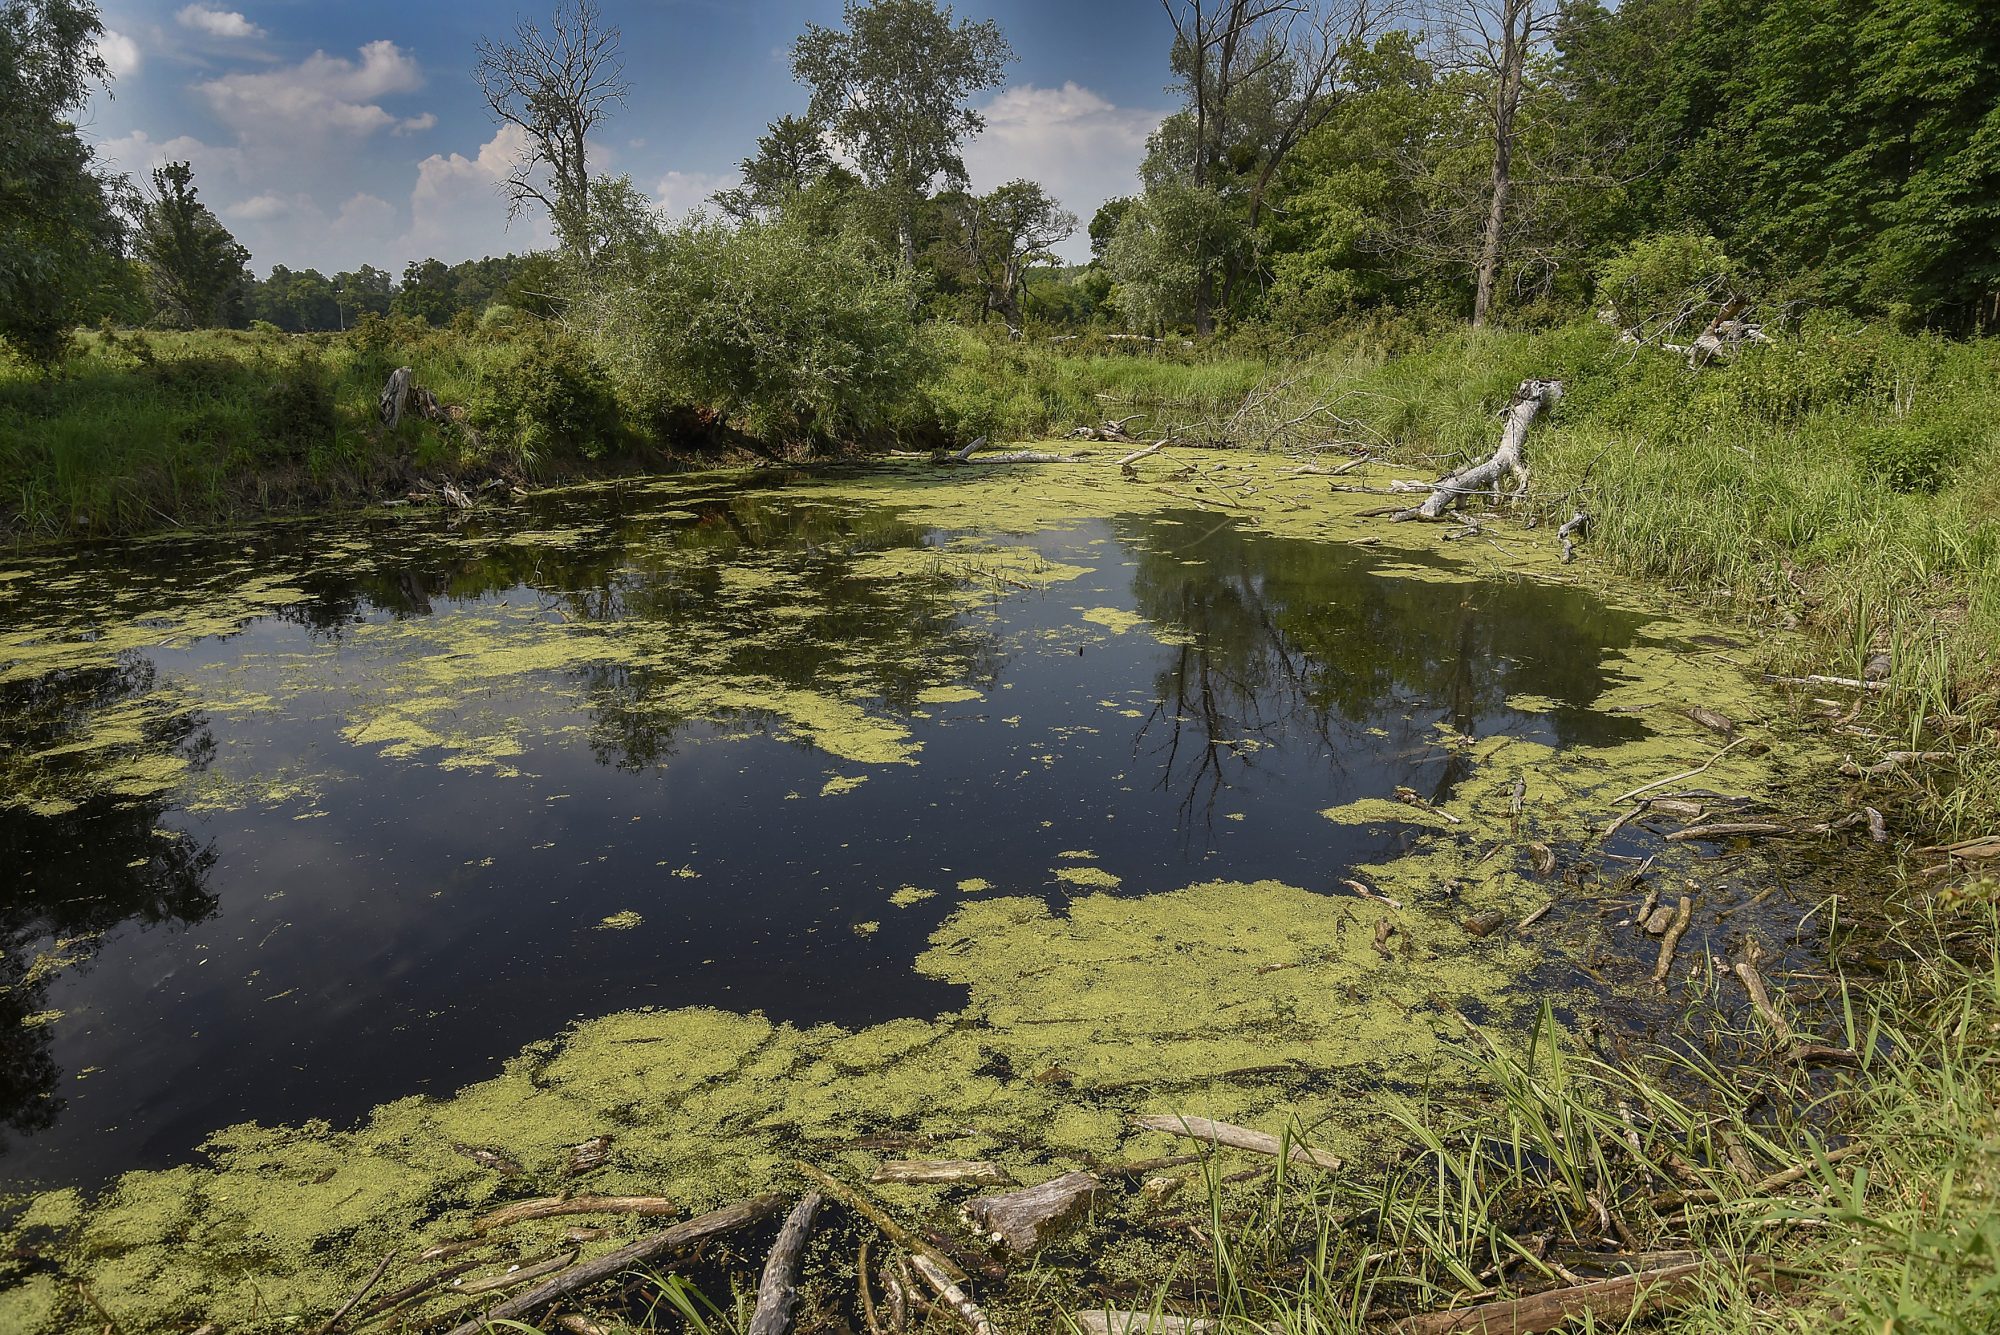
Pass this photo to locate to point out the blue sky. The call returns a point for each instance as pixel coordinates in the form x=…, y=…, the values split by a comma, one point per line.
x=333, y=134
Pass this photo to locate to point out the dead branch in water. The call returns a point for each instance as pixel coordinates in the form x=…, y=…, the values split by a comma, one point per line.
x=1671, y=941
x=977, y=1172
x=680, y=1237
x=548, y=1207
x=1235, y=1137
x=777, y=1291
x=1510, y=460
x=1614, y=1303
x=954, y=1297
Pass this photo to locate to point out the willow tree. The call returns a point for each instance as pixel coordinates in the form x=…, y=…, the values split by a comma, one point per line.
x=890, y=86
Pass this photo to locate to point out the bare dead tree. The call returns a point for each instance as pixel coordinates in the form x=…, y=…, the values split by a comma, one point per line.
x=556, y=87
x=1496, y=40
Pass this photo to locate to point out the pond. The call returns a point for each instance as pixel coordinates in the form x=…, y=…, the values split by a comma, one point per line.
x=780, y=807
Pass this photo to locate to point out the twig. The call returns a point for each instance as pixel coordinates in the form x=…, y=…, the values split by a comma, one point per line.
x=968, y=1311
x=1760, y=997
x=679, y=1237
x=1703, y=768
x=874, y=1214
x=375, y=1277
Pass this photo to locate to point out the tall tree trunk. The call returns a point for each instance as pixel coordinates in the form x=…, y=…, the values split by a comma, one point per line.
x=1513, y=56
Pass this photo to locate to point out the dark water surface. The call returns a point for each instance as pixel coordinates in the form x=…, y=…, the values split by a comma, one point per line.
x=375, y=925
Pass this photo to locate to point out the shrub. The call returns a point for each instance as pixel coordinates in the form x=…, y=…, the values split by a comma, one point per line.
x=1664, y=278
x=298, y=405
x=790, y=336
x=555, y=399
x=1909, y=457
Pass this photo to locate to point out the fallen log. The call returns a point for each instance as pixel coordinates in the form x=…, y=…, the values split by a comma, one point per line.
x=935, y=1172
x=1509, y=460
x=1023, y=1221
x=1613, y=1303
x=1235, y=1137
x=1815, y=679
x=678, y=1238
x=1111, y=1321
x=970, y=455
x=1727, y=829
x=548, y=1207
x=777, y=1291
x=1136, y=455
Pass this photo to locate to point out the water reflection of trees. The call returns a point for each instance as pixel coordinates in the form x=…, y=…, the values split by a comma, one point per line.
x=73, y=876
x=1290, y=636
x=757, y=589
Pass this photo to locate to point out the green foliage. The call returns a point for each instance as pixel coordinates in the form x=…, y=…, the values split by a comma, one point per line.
x=553, y=400
x=59, y=233
x=1909, y=458
x=787, y=335
x=1164, y=253
x=890, y=86
x=298, y=405
x=195, y=268
x=1659, y=281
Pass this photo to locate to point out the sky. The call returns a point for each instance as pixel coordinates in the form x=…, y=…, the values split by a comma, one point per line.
x=332, y=133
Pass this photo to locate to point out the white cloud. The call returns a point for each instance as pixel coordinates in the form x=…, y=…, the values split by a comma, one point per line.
x=683, y=192
x=119, y=53
x=458, y=211
x=322, y=94
x=1081, y=147
x=138, y=153
x=269, y=207
x=416, y=123
x=217, y=22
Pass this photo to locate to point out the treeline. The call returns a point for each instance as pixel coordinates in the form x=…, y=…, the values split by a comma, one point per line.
x=306, y=300
x=1492, y=156
x=1515, y=160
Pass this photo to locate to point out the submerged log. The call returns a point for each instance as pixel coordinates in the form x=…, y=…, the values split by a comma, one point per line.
x=1235, y=1137
x=550, y=1206
x=932, y=1172
x=1509, y=461
x=1024, y=1221
x=777, y=1291
x=678, y=1238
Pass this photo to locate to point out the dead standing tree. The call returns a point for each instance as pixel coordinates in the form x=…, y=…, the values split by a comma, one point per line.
x=556, y=87
x=1495, y=40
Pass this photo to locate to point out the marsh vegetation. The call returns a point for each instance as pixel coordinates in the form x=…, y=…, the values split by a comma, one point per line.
x=482, y=866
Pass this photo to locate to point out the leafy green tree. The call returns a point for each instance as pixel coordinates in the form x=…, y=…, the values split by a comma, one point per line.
x=364, y=291
x=790, y=160
x=1003, y=234
x=1104, y=224
x=60, y=235
x=890, y=88
x=425, y=292
x=1162, y=256
x=196, y=271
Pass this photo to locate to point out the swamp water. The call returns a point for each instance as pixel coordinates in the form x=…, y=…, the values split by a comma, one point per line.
x=738, y=817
